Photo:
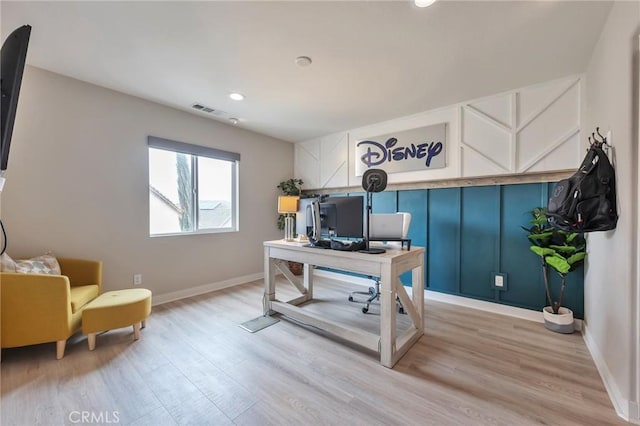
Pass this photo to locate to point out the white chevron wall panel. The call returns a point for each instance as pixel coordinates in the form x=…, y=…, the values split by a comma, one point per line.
x=552, y=125
x=307, y=163
x=490, y=139
x=496, y=108
x=566, y=156
x=529, y=130
x=334, y=164
x=531, y=100
x=476, y=164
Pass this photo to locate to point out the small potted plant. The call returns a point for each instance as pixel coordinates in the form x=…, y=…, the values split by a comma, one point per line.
x=290, y=187
x=563, y=252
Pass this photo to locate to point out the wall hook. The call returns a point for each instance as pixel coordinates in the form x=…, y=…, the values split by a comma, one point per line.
x=601, y=142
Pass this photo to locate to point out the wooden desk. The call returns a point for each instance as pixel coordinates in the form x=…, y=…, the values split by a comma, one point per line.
x=387, y=266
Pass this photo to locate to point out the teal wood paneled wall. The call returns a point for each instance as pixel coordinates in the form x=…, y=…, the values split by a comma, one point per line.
x=471, y=232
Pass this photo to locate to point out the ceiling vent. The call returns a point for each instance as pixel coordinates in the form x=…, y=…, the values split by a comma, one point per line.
x=202, y=108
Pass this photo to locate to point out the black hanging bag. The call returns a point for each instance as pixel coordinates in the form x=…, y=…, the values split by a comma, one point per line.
x=586, y=202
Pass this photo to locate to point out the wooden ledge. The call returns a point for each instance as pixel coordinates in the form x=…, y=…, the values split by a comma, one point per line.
x=458, y=182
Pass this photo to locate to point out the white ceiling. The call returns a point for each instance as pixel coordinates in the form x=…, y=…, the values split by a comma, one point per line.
x=372, y=61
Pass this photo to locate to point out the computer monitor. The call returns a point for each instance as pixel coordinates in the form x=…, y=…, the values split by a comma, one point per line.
x=304, y=220
x=340, y=217
x=316, y=222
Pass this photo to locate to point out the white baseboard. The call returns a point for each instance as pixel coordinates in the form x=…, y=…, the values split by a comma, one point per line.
x=202, y=289
x=620, y=404
x=481, y=305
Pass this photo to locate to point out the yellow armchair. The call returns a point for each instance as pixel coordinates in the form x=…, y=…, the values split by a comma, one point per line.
x=41, y=308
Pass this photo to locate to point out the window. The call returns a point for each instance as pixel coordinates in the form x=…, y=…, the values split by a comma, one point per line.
x=192, y=189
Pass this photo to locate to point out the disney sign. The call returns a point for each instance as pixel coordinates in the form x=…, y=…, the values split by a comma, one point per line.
x=416, y=149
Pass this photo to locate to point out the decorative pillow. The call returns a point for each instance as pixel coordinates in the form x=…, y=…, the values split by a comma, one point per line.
x=45, y=264
x=7, y=264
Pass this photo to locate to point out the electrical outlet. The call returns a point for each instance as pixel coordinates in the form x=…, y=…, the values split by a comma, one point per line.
x=137, y=279
x=499, y=281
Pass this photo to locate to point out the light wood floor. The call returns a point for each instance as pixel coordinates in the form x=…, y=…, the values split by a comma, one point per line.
x=195, y=365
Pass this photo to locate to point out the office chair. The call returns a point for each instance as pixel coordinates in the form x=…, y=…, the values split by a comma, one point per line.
x=374, y=296
x=374, y=292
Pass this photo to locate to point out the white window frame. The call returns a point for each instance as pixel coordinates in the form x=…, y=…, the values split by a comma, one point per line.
x=196, y=151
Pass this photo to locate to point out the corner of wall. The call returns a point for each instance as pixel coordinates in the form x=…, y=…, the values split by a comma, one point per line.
x=620, y=404
x=634, y=413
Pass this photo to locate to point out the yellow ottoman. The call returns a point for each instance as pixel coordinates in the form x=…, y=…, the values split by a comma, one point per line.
x=116, y=309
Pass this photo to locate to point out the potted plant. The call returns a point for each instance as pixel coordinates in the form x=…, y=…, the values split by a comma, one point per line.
x=290, y=187
x=560, y=251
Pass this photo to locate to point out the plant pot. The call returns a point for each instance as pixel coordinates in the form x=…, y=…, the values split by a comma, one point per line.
x=562, y=322
x=295, y=268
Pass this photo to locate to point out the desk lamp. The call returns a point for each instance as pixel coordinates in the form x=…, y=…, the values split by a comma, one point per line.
x=373, y=180
x=288, y=204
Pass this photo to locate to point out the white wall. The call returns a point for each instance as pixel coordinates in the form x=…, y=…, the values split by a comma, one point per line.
x=611, y=281
x=77, y=184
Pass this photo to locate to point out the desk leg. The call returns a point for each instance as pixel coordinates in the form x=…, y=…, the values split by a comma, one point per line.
x=269, y=281
x=417, y=291
x=308, y=279
x=387, y=316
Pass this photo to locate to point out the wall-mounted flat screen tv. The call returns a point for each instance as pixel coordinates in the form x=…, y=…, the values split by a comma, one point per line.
x=12, y=61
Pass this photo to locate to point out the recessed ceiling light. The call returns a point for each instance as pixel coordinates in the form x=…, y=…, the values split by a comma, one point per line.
x=234, y=120
x=303, y=61
x=424, y=3
x=236, y=96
